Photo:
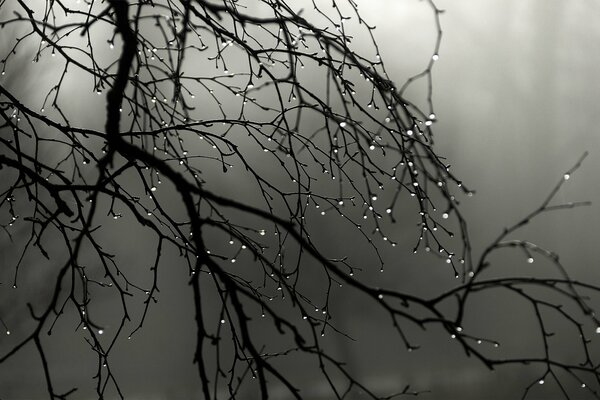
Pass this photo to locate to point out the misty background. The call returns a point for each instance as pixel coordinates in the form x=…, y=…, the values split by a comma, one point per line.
x=517, y=98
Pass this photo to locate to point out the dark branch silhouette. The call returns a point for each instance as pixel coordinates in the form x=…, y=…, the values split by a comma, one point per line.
x=194, y=91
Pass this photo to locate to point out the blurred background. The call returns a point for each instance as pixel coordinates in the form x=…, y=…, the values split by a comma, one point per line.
x=517, y=100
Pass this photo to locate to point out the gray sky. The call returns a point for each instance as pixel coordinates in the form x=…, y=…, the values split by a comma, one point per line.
x=517, y=98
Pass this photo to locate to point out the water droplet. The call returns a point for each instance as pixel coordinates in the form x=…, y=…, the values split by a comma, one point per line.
x=342, y=124
x=100, y=332
x=153, y=189
x=530, y=260
x=435, y=57
x=541, y=382
x=567, y=176
x=445, y=215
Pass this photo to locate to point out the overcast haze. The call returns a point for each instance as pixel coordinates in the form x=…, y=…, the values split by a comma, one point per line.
x=517, y=97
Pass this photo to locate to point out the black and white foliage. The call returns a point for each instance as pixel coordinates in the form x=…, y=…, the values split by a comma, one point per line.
x=191, y=92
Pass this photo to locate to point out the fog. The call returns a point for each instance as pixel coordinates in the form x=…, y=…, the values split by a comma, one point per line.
x=517, y=101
